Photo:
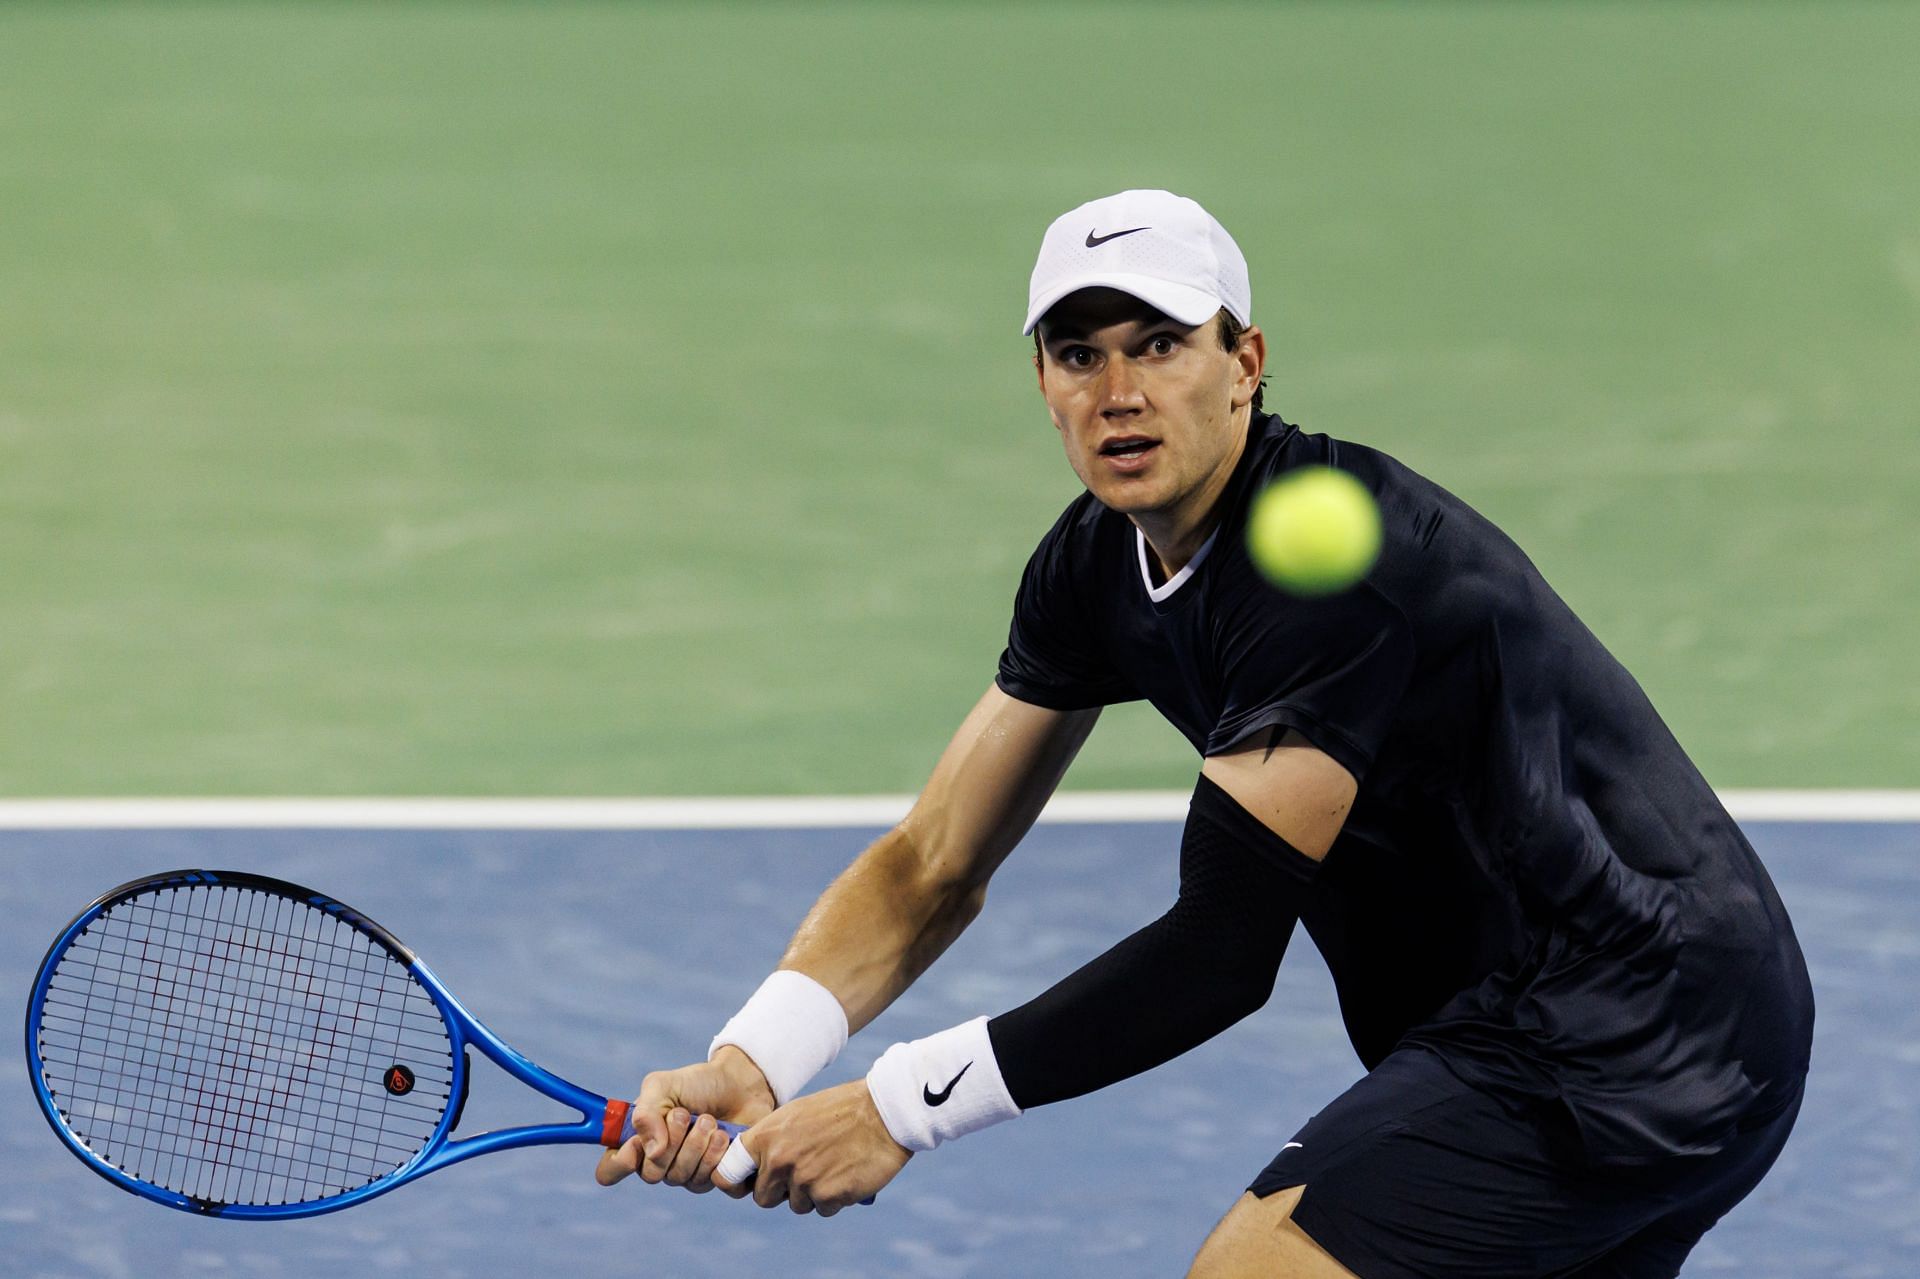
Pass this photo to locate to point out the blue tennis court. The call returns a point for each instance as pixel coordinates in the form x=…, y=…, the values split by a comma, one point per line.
x=604, y=955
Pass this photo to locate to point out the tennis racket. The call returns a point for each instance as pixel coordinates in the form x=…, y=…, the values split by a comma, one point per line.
x=239, y=1046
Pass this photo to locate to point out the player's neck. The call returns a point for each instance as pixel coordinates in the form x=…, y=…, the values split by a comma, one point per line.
x=1176, y=533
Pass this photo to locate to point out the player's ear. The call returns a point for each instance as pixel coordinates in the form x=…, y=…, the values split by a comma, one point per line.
x=1250, y=354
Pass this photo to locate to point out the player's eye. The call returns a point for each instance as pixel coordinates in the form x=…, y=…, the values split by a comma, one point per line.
x=1077, y=357
x=1163, y=344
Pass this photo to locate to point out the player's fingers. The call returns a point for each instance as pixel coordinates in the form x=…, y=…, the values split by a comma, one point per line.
x=685, y=1163
x=799, y=1200
x=660, y=1155
x=617, y=1165
x=659, y=1095
x=768, y=1191
x=770, y=1186
x=702, y=1180
x=649, y=1119
x=734, y=1175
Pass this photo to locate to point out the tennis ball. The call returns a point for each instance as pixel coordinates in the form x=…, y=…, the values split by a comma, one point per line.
x=1314, y=531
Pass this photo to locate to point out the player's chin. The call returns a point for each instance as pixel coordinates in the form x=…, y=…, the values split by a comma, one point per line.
x=1130, y=494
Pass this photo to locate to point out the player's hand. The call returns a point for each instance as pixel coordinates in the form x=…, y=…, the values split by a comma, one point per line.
x=821, y=1152
x=674, y=1137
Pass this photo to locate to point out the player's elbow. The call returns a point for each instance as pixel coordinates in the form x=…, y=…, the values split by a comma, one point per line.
x=1231, y=943
x=922, y=885
x=1240, y=990
x=936, y=870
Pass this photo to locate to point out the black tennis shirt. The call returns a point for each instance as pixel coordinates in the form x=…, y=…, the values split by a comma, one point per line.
x=1534, y=879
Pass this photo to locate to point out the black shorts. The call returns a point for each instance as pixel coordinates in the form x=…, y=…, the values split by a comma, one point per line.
x=1413, y=1174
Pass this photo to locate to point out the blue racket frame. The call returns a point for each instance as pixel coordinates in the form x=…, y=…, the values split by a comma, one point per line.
x=440, y=1149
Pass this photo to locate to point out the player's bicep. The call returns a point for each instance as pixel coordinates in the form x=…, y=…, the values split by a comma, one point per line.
x=1298, y=791
x=992, y=781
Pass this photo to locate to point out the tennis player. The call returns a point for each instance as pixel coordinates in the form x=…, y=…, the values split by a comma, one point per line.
x=1584, y=1016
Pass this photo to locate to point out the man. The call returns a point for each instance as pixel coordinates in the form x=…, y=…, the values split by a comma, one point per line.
x=1583, y=1012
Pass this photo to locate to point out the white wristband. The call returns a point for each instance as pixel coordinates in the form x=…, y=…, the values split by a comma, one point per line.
x=941, y=1087
x=792, y=1027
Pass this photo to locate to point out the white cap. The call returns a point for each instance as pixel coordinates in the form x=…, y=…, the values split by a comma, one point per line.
x=1162, y=248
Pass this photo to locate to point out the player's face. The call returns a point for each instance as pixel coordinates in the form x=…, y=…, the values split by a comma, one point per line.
x=1151, y=411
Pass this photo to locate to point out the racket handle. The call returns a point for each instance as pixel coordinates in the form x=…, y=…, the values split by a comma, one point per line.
x=736, y=1165
x=616, y=1126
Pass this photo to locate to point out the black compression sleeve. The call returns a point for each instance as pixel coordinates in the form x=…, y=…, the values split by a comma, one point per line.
x=1178, y=982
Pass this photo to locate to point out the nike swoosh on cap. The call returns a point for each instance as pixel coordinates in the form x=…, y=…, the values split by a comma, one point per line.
x=1095, y=241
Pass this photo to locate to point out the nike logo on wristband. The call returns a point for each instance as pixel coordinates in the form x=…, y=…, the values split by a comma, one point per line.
x=933, y=1098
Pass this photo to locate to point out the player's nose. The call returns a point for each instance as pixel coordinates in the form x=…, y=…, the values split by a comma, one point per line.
x=1122, y=394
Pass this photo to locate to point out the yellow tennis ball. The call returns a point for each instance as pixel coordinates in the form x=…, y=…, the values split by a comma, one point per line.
x=1314, y=531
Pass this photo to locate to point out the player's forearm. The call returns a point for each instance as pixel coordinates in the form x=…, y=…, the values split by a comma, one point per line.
x=1142, y=1003
x=1205, y=964
x=902, y=902
x=1168, y=988
x=883, y=922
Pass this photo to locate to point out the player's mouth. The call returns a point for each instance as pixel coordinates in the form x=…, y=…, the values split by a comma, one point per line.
x=1127, y=453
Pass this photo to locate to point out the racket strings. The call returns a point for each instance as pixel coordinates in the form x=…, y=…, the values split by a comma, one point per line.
x=234, y=1045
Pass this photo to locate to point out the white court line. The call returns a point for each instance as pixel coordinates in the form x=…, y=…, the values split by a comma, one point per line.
x=717, y=813
x=749, y=813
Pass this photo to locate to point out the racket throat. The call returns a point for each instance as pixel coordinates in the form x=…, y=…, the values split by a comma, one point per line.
x=466, y=1086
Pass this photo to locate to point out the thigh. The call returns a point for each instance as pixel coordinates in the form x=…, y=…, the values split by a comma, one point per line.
x=1259, y=1237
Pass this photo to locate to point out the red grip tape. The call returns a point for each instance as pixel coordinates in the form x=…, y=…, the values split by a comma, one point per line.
x=614, y=1124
